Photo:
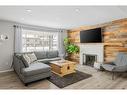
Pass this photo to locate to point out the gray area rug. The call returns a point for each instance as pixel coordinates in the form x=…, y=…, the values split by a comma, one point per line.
x=62, y=82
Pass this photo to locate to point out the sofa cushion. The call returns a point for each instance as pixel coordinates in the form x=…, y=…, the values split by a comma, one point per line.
x=52, y=54
x=118, y=59
x=50, y=59
x=32, y=57
x=108, y=67
x=41, y=54
x=124, y=60
x=35, y=68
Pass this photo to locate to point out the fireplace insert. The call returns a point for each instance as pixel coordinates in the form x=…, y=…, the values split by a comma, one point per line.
x=89, y=59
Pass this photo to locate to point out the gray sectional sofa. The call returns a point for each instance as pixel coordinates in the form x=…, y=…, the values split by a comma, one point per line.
x=37, y=69
x=46, y=57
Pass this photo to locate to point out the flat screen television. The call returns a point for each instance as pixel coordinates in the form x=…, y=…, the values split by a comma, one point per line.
x=91, y=36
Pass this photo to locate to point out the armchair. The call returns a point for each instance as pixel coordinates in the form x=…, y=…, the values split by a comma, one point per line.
x=119, y=65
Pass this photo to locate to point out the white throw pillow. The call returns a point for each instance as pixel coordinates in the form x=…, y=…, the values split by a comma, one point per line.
x=26, y=59
x=32, y=57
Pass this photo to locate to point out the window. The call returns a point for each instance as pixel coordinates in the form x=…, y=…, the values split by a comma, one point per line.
x=39, y=41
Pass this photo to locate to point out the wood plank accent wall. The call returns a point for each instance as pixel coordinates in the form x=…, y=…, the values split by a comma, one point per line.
x=74, y=37
x=114, y=37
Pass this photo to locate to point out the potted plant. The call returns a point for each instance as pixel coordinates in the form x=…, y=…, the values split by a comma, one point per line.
x=70, y=47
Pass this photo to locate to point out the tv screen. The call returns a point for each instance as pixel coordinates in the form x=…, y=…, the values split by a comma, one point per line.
x=91, y=36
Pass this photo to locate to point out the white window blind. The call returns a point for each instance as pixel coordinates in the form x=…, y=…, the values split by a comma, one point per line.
x=39, y=40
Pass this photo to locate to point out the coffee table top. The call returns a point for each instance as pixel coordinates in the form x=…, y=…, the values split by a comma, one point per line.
x=62, y=62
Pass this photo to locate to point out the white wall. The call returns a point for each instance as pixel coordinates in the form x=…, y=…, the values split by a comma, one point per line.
x=7, y=46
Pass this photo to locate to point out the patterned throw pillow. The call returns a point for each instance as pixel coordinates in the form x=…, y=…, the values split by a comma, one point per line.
x=26, y=59
x=32, y=57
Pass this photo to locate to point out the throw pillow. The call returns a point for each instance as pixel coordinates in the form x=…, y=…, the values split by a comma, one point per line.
x=26, y=60
x=32, y=57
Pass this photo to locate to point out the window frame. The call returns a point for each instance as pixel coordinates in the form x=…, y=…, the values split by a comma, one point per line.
x=46, y=41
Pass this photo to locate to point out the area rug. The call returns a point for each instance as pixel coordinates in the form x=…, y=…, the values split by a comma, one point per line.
x=62, y=82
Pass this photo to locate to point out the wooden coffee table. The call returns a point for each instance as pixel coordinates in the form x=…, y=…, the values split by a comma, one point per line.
x=63, y=68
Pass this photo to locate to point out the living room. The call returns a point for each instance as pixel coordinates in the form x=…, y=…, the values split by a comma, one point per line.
x=85, y=49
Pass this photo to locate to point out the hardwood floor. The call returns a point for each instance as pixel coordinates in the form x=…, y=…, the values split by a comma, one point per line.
x=99, y=80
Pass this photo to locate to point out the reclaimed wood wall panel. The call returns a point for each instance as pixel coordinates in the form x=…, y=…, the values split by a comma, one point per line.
x=114, y=37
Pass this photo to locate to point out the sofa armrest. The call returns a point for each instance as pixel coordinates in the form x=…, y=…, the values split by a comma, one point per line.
x=108, y=67
x=18, y=64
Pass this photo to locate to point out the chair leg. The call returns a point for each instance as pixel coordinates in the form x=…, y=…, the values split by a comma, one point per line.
x=26, y=84
x=113, y=75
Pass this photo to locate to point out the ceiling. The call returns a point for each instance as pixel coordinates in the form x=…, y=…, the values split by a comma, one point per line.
x=62, y=16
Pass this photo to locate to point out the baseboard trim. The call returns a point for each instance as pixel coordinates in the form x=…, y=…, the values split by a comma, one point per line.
x=6, y=71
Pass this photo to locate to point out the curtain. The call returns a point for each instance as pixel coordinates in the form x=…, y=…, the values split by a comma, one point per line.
x=18, y=39
x=61, y=35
